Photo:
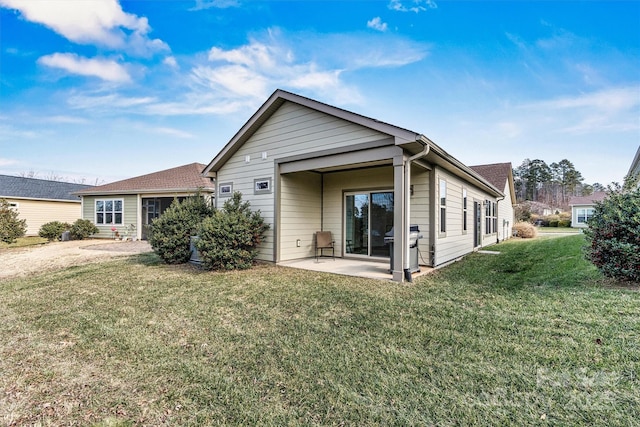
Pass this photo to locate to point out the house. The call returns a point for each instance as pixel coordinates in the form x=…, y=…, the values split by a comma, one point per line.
x=582, y=208
x=634, y=170
x=40, y=201
x=309, y=166
x=500, y=175
x=129, y=206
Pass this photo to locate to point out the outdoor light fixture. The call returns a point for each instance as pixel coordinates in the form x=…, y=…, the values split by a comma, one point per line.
x=298, y=243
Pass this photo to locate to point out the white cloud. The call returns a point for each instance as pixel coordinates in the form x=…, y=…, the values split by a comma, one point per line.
x=108, y=102
x=100, y=22
x=218, y=4
x=102, y=68
x=8, y=162
x=412, y=5
x=67, y=120
x=173, y=132
x=377, y=24
x=170, y=61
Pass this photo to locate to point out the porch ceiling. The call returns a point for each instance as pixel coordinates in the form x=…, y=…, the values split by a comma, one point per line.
x=353, y=166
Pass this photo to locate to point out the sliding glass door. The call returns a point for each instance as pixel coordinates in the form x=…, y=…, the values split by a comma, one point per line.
x=368, y=216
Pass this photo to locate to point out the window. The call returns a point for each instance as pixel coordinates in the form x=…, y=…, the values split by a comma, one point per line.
x=584, y=214
x=225, y=190
x=464, y=210
x=262, y=186
x=443, y=206
x=490, y=218
x=109, y=211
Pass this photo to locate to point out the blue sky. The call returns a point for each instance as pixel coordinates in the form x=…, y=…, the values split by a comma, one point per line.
x=106, y=90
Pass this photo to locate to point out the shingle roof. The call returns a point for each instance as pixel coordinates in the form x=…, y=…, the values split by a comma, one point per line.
x=181, y=178
x=496, y=173
x=32, y=188
x=597, y=196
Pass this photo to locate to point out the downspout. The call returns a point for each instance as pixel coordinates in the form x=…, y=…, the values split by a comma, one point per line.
x=407, y=202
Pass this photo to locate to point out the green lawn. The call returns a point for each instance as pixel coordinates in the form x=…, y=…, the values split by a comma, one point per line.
x=532, y=336
x=23, y=241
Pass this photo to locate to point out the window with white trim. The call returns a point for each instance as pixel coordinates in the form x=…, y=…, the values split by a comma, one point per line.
x=464, y=210
x=584, y=214
x=109, y=211
x=225, y=189
x=443, y=206
x=490, y=217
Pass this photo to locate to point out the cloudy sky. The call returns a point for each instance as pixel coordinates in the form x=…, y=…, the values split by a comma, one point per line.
x=101, y=90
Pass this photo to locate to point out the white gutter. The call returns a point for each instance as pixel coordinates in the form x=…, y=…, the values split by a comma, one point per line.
x=407, y=203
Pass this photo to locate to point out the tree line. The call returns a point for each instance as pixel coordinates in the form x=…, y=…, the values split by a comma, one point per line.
x=552, y=184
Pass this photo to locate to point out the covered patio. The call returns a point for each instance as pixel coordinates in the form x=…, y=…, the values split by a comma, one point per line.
x=350, y=267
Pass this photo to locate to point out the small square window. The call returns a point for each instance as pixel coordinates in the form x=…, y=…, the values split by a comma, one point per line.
x=262, y=186
x=225, y=190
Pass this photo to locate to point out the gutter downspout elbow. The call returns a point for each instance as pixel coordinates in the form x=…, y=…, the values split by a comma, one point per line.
x=407, y=204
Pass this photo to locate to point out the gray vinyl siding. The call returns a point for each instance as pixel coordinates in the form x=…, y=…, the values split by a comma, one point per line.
x=130, y=212
x=505, y=213
x=420, y=209
x=290, y=131
x=301, y=214
x=455, y=243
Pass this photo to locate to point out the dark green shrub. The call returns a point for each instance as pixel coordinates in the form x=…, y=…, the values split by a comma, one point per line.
x=169, y=234
x=53, y=230
x=564, y=223
x=82, y=229
x=553, y=223
x=229, y=239
x=10, y=226
x=613, y=234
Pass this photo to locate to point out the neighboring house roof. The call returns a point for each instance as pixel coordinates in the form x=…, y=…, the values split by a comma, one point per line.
x=498, y=174
x=182, y=178
x=410, y=140
x=40, y=189
x=597, y=196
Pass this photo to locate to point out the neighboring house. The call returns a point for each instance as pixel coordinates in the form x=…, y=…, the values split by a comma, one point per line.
x=130, y=205
x=40, y=201
x=309, y=166
x=582, y=208
x=500, y=175
x=634, y=170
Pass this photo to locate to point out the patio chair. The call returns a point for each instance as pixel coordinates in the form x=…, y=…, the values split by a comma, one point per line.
x=324, y=240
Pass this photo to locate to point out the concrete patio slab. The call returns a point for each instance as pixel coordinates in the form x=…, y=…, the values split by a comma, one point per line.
x=349, y=267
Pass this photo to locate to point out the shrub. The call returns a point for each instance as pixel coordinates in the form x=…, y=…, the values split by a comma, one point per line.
x=564, y=223
x=553, y=223
x=525, y=230
x=82, y=229
x=53, y=230
x=229, y=239
x=10, y=226
x=169, y=234
x=613, y=234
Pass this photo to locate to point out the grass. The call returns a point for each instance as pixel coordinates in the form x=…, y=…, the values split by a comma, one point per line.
x=532, y=336
x=23, y=241
x=558, y=230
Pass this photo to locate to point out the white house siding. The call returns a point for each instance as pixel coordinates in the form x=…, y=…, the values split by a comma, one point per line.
x=336, y=183
x=291, y=130
x=301, y=214
x=574, y=215
x=505, y=213
x=39, y=212
x=130, y=212
x=456, y=242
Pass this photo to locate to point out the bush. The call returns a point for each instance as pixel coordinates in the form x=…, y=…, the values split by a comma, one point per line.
x=553, y=223
x=169, y=234
x=564, y=223
x=613, y=234
x=525, y=230
x=10, y=226
x=82, y=229
x=53, y=230
x=229, y=239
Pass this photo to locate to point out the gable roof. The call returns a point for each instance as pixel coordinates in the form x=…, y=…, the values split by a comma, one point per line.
x=635, y=165
x=182, y=178
x=40, y=189
x=410, y=140
x=597, y=196
x=496, y=173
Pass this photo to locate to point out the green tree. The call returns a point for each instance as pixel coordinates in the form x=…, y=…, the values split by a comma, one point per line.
x=613, y=234
x=170, y=233
x=11, y=227
x=229, y=239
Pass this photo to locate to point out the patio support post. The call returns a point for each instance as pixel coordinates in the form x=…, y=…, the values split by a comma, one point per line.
x=399, y=218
